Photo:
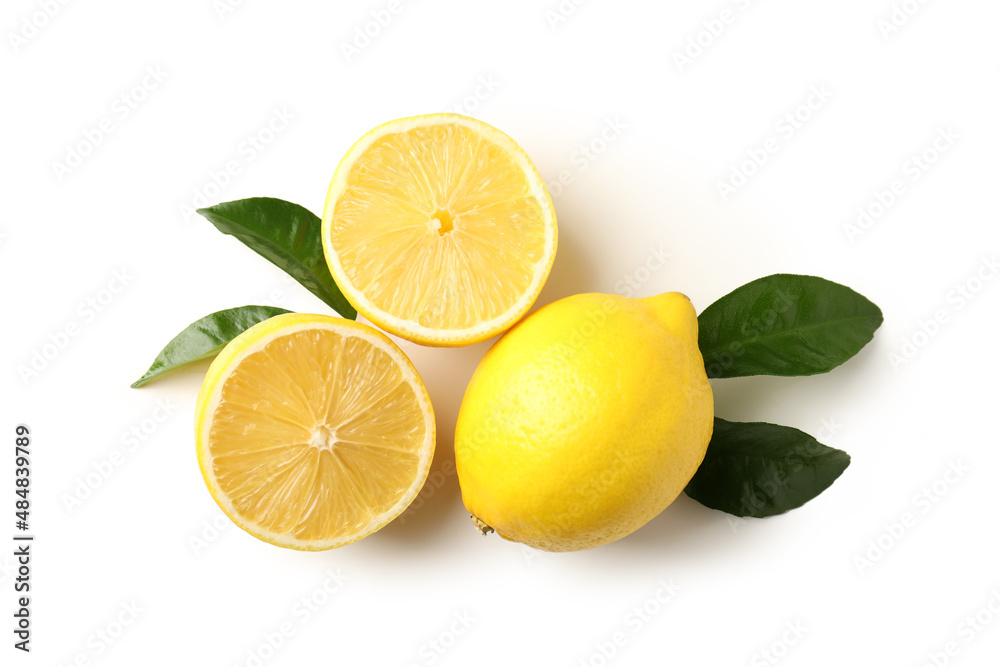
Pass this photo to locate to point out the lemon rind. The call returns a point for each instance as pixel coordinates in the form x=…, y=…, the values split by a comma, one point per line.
x=252, y=340
x=409, y=329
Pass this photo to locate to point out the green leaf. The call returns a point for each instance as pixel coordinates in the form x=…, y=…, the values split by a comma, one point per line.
x=287, y=235
x=785, y=325
x=758, y=469
x=204, y=338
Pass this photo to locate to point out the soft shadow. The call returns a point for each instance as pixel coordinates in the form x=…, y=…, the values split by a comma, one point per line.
x=684, y=530
x=429, y=514
x=770, y=399
x=181, y=379
x=751, y=398
x=445, y=373
x=570, y=274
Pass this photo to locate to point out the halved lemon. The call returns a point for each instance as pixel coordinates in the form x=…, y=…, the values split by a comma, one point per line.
x=313, y=431
x=439, y=229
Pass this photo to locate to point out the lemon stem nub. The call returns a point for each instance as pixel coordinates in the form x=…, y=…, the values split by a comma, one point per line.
x=481, y=525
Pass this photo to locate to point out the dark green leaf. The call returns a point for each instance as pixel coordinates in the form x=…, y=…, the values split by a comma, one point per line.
x=287, y=235
x=758, y=469
x=785, y=325
x=205, y=338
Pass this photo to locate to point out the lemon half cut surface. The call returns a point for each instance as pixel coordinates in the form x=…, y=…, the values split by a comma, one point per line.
x=313, y=431
x=439, y=229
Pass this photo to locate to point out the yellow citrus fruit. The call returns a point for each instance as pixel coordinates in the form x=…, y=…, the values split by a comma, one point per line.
x=313, y=431
x=439, y=229
x=585, y=420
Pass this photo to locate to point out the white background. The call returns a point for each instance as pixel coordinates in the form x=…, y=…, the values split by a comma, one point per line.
x=856, y=592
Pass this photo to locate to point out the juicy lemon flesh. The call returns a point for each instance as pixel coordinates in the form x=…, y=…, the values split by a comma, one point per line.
x=316, y=435
x=439, y=226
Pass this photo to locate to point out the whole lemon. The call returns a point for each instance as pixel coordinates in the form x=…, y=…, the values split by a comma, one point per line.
x=585, y=420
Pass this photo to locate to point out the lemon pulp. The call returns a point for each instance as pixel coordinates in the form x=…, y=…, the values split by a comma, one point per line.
x=439, y=229
x=315, y=433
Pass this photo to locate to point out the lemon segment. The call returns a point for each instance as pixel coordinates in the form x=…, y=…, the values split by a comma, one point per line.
x=313, y=431
x=439, y=229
